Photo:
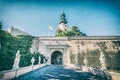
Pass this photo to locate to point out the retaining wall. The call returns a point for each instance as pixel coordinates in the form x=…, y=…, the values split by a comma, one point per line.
x=115, y=76
x=10, y=74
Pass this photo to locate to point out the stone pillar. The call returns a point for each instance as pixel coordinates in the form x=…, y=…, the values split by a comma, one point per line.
x=66, y=57
x=49, y=53
x=69, y=62
x=39, y=62
x=49, y=61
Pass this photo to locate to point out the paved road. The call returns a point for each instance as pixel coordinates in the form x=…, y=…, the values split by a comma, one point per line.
x=58, y=72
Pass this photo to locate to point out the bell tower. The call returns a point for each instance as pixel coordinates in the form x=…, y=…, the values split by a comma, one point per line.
x=63, y=22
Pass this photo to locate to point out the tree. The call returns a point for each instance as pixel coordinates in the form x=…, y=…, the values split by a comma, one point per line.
x=73, y=32
x=10, y=45
x=0, y=34
x=76, y=32
x=59, y=33
x=0, y=26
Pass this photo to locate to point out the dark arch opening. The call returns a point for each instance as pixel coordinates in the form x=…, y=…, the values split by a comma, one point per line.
x=56, y=58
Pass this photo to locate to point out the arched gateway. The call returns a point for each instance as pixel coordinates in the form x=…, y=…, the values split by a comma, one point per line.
x=64, y=50
x=57, y=58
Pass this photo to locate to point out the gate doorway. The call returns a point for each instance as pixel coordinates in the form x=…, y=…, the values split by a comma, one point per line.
x=57, y=58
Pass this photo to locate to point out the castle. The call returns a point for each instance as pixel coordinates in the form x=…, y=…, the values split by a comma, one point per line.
x=15, y=32
x=73, y=50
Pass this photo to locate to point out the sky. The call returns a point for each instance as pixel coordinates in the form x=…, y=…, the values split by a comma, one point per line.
x=93, y=17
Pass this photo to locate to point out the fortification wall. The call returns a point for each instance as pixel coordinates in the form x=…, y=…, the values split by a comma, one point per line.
x=89, y=47
x=91, y=50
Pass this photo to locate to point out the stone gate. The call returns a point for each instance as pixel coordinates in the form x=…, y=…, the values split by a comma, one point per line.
x=74, y=49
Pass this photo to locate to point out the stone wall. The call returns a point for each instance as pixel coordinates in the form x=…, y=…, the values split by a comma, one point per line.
x=84, y=46
x=115, y=76
x=10, y=74
x=35, y=45
x=91, y=50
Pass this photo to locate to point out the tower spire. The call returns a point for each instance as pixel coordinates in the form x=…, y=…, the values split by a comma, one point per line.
x=63, y=22
x=63, y=19
x=63, y=10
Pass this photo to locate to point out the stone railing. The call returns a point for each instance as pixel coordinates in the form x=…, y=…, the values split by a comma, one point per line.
x=10, y=74
x=115, y=76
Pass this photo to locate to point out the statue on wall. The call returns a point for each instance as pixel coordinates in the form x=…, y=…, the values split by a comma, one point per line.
x=102, y=61
x=32, y=61
x=85, y=68
x=17, y=60
x=85, y=62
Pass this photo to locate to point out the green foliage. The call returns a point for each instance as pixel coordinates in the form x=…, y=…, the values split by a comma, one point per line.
x=73, y=32
x=59, y=33
x=36, y=56
x=25, y=59
x=9, y=47
x=0, y=26
x=7, y=53
x=0, y=32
